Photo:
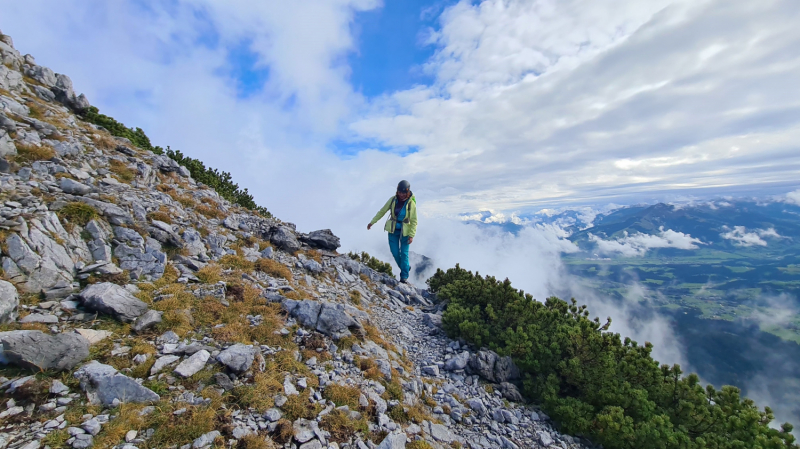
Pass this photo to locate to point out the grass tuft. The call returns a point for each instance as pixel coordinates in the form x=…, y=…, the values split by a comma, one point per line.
x=78, y=213
x=273, y=268
x=121, y=169
x=31, y=153
x=342, y=395
x=341, y=427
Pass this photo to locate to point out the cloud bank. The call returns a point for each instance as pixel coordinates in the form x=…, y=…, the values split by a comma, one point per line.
x=638, y=244
x=741, y=237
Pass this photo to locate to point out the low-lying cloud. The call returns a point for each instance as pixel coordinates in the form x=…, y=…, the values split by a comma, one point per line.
x=741, y=237
x=638, y=244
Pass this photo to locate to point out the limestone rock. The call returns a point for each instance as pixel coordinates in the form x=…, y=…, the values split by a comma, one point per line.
x=39, y=351
x=9, y=302
x=323, y=239
x=193, y=364
x=147, y=321
x=393, y=441
x=104, y=385
x=94, y=336
x=458, y=362
x=238, y=358
x=74, y=187
x=113, y=300
x=285, y=239
x=334, y=322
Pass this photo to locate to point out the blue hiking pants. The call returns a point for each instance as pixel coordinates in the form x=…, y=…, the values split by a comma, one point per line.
x=399, y=246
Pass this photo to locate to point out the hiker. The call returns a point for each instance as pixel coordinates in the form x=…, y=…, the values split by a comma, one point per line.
x=401, y=225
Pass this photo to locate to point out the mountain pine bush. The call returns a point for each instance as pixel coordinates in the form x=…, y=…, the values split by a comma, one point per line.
x=372, y=262
x=593, y=382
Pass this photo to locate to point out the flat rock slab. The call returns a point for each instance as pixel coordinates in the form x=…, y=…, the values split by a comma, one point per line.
x=94, y=336
x=39, y=318
x=393, y=441
x=193, y=364
x=147, y=321
x=104, y=385
x=163, y=362
x=237, y=358
x=9, y=302
x=113, y=300
x=39, y=351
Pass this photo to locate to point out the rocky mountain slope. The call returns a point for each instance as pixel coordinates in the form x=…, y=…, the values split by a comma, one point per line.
x=140, y=309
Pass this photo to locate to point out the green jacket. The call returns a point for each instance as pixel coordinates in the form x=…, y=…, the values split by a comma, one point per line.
x=410, y=222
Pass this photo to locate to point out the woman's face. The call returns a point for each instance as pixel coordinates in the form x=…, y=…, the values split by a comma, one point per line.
x=403, y=195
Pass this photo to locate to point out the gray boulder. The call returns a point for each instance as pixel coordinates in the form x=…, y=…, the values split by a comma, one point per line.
x=74, y=187
x=7, y=146
x=505, y=370
x=511, y=392
x=324, y=239
x=482, y=364
x=432, y=320
x=39, y=351
x=312, y=266
x=285, y=239
x=43, y=75
x=193, y=364
x=113, y=300
x=306, y=312
x=334, y=322
x=237, y=358
x=9, y=302
x=147, y=321
x=393, y=441
x=458, y=362
x=104, y=385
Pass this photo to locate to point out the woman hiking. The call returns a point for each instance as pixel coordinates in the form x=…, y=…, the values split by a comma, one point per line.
x=401, y=225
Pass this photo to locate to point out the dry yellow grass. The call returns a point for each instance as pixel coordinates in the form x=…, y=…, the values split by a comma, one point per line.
x=210, y=274
x=273, y=268
x=162, y=214
x=121, y=169
x=209, y=211
x=341, y=427
x=236, y=262
x=259, y=394
x=342, y=395
x=256, y=442
x=31, y=153
x=104, y=141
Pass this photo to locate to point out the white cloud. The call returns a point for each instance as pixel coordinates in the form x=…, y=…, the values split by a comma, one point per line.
x=793, y=197
x=547, y=102
x=741, y=237
x=638, y=244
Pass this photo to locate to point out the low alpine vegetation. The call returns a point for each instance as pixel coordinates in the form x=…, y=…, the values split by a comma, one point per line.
x=593, y=382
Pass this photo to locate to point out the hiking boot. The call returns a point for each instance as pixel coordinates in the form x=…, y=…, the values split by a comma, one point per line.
x=404, y=281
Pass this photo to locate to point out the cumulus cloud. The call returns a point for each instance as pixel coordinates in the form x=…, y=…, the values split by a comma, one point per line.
x=793, y=197
x=741, y=237
x=572, y=102
x=638, y=244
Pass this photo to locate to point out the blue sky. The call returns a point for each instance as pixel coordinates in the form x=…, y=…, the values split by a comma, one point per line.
x=391, y=46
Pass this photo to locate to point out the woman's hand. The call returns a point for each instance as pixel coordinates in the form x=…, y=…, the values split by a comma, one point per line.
x=369, y=226
x=410, y=239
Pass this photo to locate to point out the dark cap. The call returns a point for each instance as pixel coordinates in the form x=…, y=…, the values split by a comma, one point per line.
x=403, y=186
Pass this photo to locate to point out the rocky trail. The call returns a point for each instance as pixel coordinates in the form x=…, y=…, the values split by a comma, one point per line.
x=139, y=309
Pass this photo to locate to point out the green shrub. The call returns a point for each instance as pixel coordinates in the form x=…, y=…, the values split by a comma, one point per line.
x=375, y=264
x=592, y=382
